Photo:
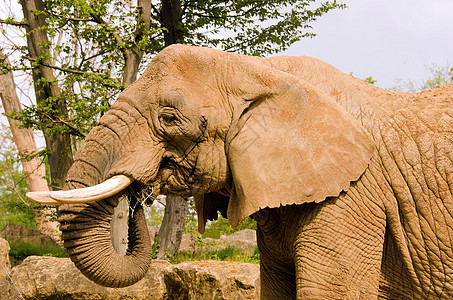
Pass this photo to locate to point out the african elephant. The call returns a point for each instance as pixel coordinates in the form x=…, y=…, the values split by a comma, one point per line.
x=350, y=185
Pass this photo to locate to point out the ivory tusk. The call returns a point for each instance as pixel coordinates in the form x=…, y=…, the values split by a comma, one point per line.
x=93, y=193
x=41, y=198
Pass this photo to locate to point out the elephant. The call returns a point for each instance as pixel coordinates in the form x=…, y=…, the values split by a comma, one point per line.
x=350, y=185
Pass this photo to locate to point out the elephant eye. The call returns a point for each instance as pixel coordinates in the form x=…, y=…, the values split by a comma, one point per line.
x=167, y=118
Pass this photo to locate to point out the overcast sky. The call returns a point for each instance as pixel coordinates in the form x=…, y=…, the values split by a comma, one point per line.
x=385, y=39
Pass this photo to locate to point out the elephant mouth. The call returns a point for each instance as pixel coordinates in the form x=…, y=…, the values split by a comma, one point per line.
x=145, y=193
x=170, y=182
x=176, y=179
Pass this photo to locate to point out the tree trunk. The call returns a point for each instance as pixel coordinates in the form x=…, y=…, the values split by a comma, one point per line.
x=119, y=227
x=171, y=21
x=172, y=228
x=47, y=93
x=34, y=170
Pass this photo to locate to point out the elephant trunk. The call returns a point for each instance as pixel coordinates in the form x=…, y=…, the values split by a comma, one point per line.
x=86, y=235
x=86, y=227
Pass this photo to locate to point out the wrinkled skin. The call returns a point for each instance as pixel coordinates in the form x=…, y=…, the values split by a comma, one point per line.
x=351, y=185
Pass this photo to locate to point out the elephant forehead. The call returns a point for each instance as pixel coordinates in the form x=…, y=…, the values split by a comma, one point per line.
x=180, y=93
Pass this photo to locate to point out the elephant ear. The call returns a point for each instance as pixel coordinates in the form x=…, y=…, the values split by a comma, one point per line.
x=293, y=144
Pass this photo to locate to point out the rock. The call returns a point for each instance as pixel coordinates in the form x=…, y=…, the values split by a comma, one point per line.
x=18, y=233
x=7, y=290
x=212, y=280
x=58, y=278
x=5, y=265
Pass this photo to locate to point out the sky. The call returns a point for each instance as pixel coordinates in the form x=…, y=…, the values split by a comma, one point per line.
x=385, y=39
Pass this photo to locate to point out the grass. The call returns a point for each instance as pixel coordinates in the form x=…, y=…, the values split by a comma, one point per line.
x=230, y=253
x=22, y=250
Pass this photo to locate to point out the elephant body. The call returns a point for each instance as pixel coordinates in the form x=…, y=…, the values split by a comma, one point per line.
x=350, y=185
x=413, y=181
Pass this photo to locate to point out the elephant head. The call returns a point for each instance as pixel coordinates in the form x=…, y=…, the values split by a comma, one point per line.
x=231, y=130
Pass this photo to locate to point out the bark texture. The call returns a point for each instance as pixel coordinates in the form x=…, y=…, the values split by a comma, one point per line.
x=171, y=20
x=171, y=230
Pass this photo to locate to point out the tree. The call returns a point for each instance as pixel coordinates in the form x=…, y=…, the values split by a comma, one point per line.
x=439, y=75
x=81, y=54
x=33, y=169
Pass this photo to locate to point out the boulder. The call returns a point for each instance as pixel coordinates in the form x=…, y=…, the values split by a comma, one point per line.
x=20, y=234
x=7, y=290
x=5, y=265
x=58, y=278
x=212, y=280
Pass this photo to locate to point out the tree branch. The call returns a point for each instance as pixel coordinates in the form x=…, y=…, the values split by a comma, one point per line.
x=57, y=119
x=245, y=13
x=156, y=16
x=143, y=19
x=91, y=57
x=69, y=18
x=78, y=72
x=98, y=19
x=10, y=21
x=74, y=129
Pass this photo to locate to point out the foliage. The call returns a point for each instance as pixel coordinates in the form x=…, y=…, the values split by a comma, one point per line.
x=191, y=221
x=230, y=253
x=370, y=80
x=22, y=250
x=154, y=215
x=221, y=226
x=156, y=247
x=439, y=75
